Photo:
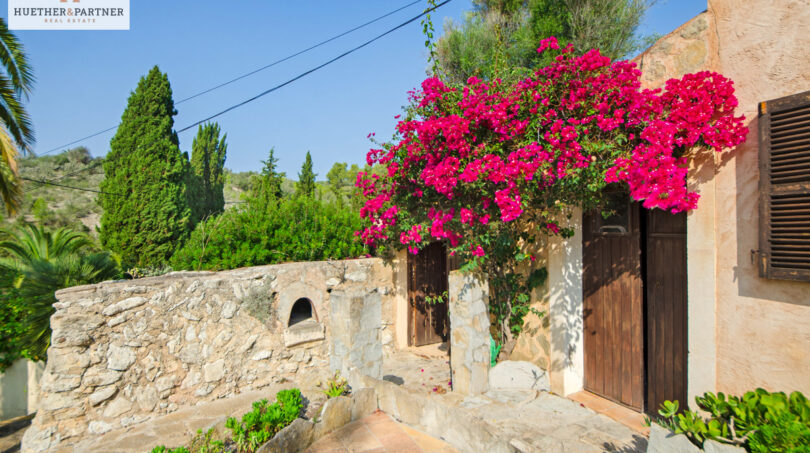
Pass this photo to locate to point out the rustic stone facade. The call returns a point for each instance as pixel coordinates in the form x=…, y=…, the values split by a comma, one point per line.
x=124, y=352
x=469, y=333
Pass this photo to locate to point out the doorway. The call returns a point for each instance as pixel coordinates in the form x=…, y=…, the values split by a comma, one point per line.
x=427, y=280
x=634, y=305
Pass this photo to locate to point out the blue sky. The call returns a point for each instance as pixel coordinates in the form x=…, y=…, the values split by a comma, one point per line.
x=85, y=77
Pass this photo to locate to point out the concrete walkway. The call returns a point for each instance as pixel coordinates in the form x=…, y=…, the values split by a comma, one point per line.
x=377, y=433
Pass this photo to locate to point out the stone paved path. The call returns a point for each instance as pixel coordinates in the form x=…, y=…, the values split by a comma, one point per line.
x=548, y=423
x=425, y=369
x=534, y=421
x=378, y=433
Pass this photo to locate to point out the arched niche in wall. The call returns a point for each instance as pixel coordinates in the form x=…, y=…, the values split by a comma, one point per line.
x=301, y=311
x=299, y=308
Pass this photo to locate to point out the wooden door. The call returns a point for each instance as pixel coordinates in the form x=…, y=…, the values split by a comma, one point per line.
x=666, y=308
x=427, y=276
x=613, y=304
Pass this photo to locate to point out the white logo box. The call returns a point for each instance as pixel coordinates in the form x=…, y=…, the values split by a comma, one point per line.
x=68, y=14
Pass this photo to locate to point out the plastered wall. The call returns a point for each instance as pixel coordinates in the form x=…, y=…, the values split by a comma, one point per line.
x=744, y=331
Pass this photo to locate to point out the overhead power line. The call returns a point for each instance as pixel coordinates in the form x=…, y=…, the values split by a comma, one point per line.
x=299, y=76
x=67, y=175
x=322, y=65
x=248, y=74
x=50, y=183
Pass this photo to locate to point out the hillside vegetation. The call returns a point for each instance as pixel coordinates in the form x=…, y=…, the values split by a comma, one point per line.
x=79, y=210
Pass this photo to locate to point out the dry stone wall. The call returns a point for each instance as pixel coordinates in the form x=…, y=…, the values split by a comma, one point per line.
x=124, y=352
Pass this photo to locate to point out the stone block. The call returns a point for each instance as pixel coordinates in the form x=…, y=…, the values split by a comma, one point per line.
x=118, y=407
x=336, y=412
x=364, y=402
x=120, y=358
x=102, y=394
x=294, y=438
x=304, y=332
x=214, y=372
x=712, y=446
x=469, y=337
x=518, y=375
x=99, y=427
x=663, y=440
x=126, y=304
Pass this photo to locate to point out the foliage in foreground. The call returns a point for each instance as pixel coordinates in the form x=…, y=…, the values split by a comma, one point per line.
x=336, y=386
x=759, y=421
x=252, y=431
x=489, y=166
x=265, y=420
x=16, y=131
x=36, y=262
x=273, y=231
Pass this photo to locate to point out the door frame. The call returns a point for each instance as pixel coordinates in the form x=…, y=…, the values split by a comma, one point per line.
x=412, y=294
x=645, y=319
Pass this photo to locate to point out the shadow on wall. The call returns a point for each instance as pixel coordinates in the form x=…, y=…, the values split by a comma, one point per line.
x=746, y=223
x=566, y=324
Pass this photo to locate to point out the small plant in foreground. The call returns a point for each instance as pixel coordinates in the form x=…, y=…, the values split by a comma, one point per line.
x=265, y=420
x=337, y=386
x=759, y=421
x=162, y=449
x=206, y=442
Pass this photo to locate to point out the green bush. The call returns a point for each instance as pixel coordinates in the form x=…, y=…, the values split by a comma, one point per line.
x=266, y=232
x=759, y=421
x=256, y=427
x=265, y=420
x=162, y=449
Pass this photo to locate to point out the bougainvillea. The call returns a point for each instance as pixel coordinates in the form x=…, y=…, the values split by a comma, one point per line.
x=485, y=166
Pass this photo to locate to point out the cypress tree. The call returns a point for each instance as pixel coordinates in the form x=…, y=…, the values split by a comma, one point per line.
x=149, y=215
x=306, y=179
x=207, y=179
x=267, y=185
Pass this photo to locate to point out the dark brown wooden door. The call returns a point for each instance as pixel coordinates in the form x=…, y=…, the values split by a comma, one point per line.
x=665, y=284
x=613, y=304
x=427, y=276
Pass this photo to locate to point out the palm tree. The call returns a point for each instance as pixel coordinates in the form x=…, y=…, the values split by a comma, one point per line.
x=16, y=132
x=37, y=263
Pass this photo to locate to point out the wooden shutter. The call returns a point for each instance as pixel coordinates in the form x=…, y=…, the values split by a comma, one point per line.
x=784, y=183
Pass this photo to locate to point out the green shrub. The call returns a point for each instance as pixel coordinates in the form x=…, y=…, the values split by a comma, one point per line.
x=267, y=232
x=256, y=427
x=265, y=420
x=162, y=449
x=337, y=386
x=760, y=421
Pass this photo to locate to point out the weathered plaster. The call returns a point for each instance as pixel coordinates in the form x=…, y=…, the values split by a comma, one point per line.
x=567, y=367
x=744, y=331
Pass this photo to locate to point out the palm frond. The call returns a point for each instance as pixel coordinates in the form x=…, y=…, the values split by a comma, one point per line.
x=13, y=115
x=10, y=187
x=13, y=59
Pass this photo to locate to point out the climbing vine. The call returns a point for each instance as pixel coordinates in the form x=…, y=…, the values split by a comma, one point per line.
x=490, y=166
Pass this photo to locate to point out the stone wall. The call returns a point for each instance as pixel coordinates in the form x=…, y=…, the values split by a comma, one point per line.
x=124, y=352
x=469, y=333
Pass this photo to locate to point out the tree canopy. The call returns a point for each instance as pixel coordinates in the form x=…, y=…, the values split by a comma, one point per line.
x=500, y=36
x=207, y=180
x=146, y=212
x=306, y=179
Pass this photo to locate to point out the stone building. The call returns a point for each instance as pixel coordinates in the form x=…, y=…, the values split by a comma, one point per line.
x=719, y=299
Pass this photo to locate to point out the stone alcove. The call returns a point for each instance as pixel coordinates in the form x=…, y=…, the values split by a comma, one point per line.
x=299, y=306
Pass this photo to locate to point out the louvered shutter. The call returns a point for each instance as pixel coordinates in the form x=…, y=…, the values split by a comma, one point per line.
x=784, y=182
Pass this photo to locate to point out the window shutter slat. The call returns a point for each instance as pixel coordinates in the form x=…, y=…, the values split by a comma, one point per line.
x=784, y=160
